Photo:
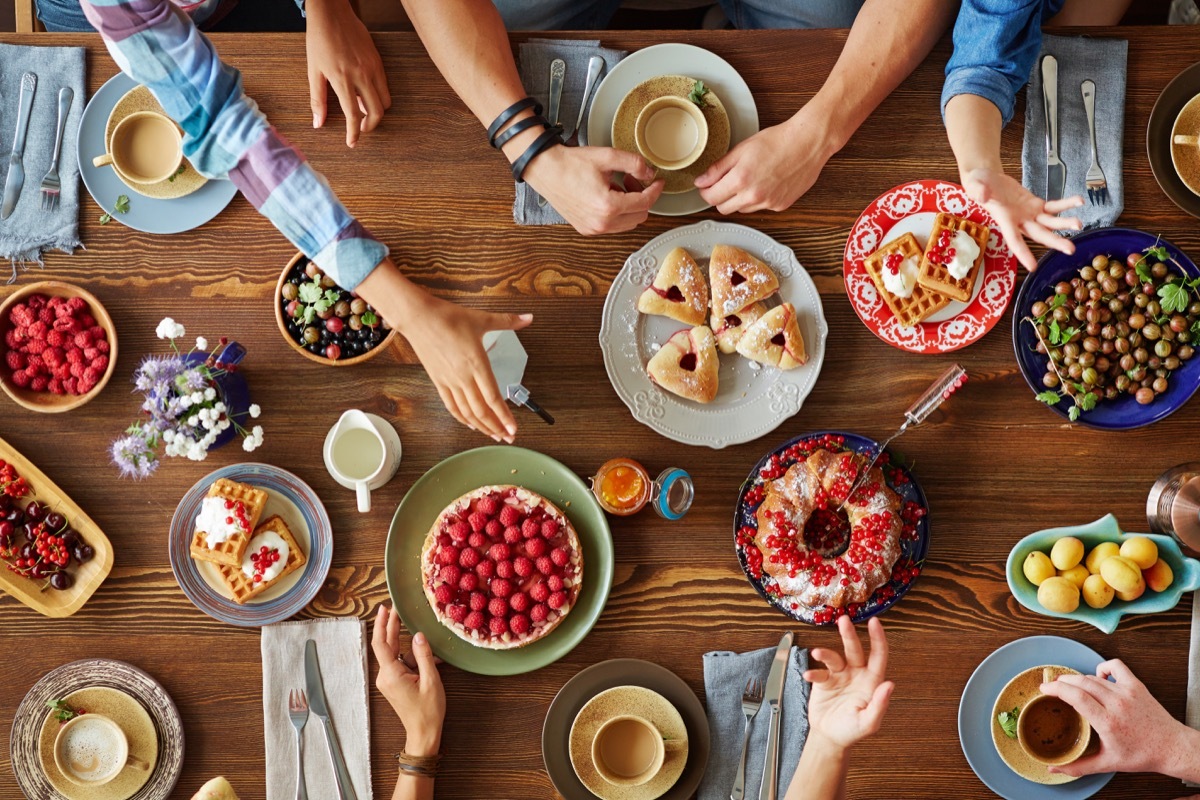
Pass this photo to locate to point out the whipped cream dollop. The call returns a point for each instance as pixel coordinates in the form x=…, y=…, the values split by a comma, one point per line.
x=900, y=275
x=214, y=521
x=966, y=250
x=272, y=541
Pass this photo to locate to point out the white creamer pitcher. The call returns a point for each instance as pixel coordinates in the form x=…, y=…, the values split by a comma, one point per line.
x=362, y=452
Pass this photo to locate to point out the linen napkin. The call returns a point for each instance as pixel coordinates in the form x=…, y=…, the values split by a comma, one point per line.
x=535, y=58
x=1079, y=59
x=725, y=676
x=1192, y=715
x=342, y=652
x=29, y=231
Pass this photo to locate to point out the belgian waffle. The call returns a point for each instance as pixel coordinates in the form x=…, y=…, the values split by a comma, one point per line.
x=244, y=588
x=935, y=276
x=230, y=551
x=923, y=302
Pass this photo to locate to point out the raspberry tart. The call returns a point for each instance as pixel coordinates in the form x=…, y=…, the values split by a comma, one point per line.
x=502, y=567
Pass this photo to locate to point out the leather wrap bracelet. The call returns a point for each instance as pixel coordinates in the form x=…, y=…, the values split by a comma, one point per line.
x=548, y=139
x=519, y=127
x=423, y=766
x=507, y=114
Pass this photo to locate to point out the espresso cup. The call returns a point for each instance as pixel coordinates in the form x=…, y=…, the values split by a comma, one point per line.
x=671, y=132
x=92, y=750
x=146, y=148
x=1184, y=137
x=1050, y=731
x=628, y=750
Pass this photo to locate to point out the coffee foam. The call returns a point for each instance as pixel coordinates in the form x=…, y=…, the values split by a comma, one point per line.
x=91, y=750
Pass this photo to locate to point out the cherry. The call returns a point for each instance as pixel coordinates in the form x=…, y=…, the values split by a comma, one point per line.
x=7, y=529
x=5, y=542
x=28, y=552
x=35, y=511
x=70, y=538
x=39, y=570
x=6, y=502
x=84, y=553
x=61, y=581
x=15, y=515
x=55, y=521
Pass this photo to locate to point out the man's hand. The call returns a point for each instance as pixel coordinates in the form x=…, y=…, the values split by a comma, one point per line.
x=850, y=696
x=579, y=183
x=410, y=683
x=1018, y=211
x=342, y=55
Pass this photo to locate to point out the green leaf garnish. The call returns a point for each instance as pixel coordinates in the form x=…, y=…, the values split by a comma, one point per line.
x=1173, y=297
x=1008, y=722
x=105, y=218
x=310, y=292
x=178, y=172
x=1088, y=401
x=699, y=90
x=62, y=711
x=1048, y=397
x=123, y=204
x=1073, y=414
x=369, y=318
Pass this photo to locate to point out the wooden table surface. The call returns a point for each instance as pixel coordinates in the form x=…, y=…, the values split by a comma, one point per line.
x=994, y=463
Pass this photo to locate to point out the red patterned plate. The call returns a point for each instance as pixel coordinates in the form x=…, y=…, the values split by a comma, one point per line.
x=911, y=208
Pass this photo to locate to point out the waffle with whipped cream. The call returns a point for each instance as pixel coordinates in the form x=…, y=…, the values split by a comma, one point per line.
x=261, y=568
x=228, y=514
x=921, y=302
x=941, y=252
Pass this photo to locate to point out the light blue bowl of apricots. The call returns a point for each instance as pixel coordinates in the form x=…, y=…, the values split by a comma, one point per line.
x=1186, y=572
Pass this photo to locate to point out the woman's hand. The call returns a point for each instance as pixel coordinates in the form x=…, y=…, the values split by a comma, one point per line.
x=341, y=54
x=849, y=697
x=1020, y=213
x=579, y=183
x=411, y=684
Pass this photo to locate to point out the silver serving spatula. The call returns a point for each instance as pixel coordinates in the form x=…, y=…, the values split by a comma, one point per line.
x=508, y=358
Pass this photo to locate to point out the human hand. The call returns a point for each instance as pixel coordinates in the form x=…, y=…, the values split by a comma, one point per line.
x=849, y=697
x=1020, y=213
x=411, y=684
x=768, y=171
x=341, y=54
x=578, y=183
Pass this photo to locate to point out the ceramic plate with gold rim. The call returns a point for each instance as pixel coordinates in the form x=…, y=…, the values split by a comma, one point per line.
x=1016, y=695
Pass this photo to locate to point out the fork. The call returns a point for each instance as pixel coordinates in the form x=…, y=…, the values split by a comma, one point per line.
x=1097, y=186
x=50, y=183
x=298, y=713
x=751, y=702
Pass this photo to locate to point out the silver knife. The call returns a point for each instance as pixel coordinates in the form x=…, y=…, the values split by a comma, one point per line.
x=558, y=73
x=773, y=697
x=16, y=170
x=1056, y=170
x=316, y=704
x=595, y=69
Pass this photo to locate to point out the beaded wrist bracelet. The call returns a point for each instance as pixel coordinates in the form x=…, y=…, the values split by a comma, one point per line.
x=507, y=114
x=548, y=139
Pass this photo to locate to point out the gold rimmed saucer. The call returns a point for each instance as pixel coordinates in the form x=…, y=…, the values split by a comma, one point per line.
x=1016, y=694
x=132, y=718
x=683, y=180
x=184, y=183
x=639, y=701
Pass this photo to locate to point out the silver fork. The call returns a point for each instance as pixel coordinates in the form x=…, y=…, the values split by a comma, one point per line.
x=1097, y=186
x=751, y=702
x=50, y=183
x=298, y=713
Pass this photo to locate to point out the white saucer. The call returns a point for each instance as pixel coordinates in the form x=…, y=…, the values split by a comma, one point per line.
x=390, y=438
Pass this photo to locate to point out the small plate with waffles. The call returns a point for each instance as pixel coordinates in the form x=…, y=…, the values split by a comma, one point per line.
x=926, y=270
x=713, y=334
x=250, y=544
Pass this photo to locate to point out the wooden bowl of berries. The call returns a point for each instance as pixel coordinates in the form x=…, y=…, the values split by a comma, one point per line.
x=58, y=346
x=323, y=322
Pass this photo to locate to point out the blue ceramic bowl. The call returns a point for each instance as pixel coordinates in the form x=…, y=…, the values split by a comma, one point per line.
x=1105, y=529
x=1124, y=412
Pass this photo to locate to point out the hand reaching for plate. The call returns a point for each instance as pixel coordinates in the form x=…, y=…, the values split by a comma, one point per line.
x=1020, y=213
x=342, y=55
x=579, y=183
x=410, y=683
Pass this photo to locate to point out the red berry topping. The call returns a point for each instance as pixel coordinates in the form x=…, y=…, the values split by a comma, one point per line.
x=512, y=535
x=478, y=601
x=550, y=528
x=523, y=566
x=499, y=552
x=544, y=565
x=468, y=582
x=446, y=555
x=494, y=528
x=478, y=521
x=456, y=612
x=488, y=504
x=519, y=602
x=530, y=528
x=474, y=621
x=557, y=600
x=560, y=556
x=555, y=582
x=485, y=570
x=497, y=607
x=539, y=613
x=477, y=540
x=504, y=569
x=509, y=515
x=536, y=547
x=450, y=574
x=443, y=594
x=501, y=587
x=539, y=592
x=498, y=626
x=459, y=531
x=468, y=558
x=519, y=624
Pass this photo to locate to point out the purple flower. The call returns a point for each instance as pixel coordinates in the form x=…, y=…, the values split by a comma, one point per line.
x=133, y=457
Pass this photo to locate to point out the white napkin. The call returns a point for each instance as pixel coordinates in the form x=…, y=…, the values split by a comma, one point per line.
x=342, y=653
x=1192, y=715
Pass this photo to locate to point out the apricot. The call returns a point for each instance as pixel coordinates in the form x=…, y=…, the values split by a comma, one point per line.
x=1141, y=551
x=1099, y=553
x=1076, y=574
x=1097, y=593
x=1066, y=552
x=1133, y=594
x=1058, y=594
x=1159, y=577
x=1121, y=574
x=1037, y=567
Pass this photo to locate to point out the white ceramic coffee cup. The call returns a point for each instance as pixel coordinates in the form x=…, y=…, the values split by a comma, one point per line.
x=98, y=759
x=671, y=132
x=609, y=735
x=143, y=129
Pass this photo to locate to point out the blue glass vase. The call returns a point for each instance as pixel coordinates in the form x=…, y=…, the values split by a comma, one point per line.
x=232, y=389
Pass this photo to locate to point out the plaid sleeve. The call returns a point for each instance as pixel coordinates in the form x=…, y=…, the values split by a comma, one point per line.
x=226, y=136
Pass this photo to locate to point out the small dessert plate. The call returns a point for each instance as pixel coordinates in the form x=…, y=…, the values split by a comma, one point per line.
x=1016, y=695
x=911, y=208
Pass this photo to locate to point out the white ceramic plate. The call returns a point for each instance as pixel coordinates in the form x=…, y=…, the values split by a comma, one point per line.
x=674, y=59
x=752, y=399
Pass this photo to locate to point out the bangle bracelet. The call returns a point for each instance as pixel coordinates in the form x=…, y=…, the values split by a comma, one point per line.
x=502, y=119
x=518, y=127
x=548, y=139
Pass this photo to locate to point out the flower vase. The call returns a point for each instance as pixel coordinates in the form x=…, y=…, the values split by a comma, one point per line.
x=232, y=389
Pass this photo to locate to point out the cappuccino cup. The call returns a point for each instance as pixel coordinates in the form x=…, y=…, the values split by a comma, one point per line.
x=92, y=750
x=146, y=148
x=671, y=132
x=628, y=750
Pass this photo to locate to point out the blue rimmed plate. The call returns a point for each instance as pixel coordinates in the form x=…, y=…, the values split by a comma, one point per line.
x=912, y=550
x=298, y=505
x=1123, y=413
x=979, y=699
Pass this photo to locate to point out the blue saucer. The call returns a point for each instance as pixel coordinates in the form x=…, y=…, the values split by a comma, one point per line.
x=979, y=698
x=148, y=214
x=1123, y=413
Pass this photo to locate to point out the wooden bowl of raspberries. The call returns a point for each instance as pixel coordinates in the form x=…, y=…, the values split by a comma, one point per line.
x=58, y=346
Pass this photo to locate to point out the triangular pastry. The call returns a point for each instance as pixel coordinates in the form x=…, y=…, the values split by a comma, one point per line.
x=775, y=340
x=678, y=291
x=687, y=365
x=729, y=329
x=738, y=279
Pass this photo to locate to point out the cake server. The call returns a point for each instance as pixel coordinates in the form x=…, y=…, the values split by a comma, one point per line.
x=1056, y=171
x=773, y=699
x=508, y=358
x=316, y=704
x=918, y=412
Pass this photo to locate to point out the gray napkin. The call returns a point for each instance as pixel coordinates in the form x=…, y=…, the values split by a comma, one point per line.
x=725, y=676
x=1079, y=59
x=342, y=653
x=29, y=232
x=536, y=55
x=1192, y=715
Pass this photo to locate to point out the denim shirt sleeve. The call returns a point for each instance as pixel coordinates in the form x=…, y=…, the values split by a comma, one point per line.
x=995, y=45
x=226, y=136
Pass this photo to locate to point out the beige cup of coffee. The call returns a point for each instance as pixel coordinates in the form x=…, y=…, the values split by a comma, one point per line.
x=92, y=750
x=1050, y=731
x=628, y=750
x=146, y=148
x=1185, y=133
x=671, y=132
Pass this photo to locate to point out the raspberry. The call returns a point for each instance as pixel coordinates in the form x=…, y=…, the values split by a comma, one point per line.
x=485, y=570
x=498, y=626
x=62, y=371
x=38, y=330
x=500, y=587
x=35, y=301
x=459, y=531
x=14, y=360
x=101, y=363
x=469, y=582
x=536, y=547
x=550, y=528
x=478, y=601
x=86, y=386
x=74, y=356
x=478, y=521
x=96, y=333
x=512, y=534
x=529, y=528
x=46, y=316
x=468, y=558
x=77, y=370
x=443, y=594
x=82, y=342
x=539, y=613
x=71, y=386
x=13, y=339
x=456, y=612
x=504, y=569
x=476, y=540
x=450, y=574
x=497, y=607
x=54, y=357
x=519, y=602
x=519, y=624
x=447, y=555
x=55, y=386
x=87, y=320
x=39, y=383
x=523, y=566
x=103, y=346
x=498, y=552
x=509, y=515
x=555, y=583
x=21, y=378
x=35, y=347
x=91, y=375
x=56, y=339
x=539, y=592
x=494, y=528
x=474, y=621
x=62, y=310
x=90, y=353
x=557, y=600
x=560, y=556
x=545, y=565
x=489, y=505
x=68, y=327
x=76, y=304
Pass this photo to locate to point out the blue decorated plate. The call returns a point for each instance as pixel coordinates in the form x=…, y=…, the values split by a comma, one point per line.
x=298, y=505
x=1124, y=412
x=1105, y=529
x=979, y=699
x=913, y=546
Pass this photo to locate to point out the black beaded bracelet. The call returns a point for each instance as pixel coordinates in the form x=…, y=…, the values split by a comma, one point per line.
x=548, y=139
x=507, y=114
x=520, y=126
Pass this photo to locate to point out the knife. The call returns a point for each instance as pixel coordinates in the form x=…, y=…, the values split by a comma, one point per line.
x=1056, y=171
x=769, y=789
x=558, y=73
x=16, y=170
x=316, y=704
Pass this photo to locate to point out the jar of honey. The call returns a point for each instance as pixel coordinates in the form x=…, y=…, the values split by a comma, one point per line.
x=622, y=486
